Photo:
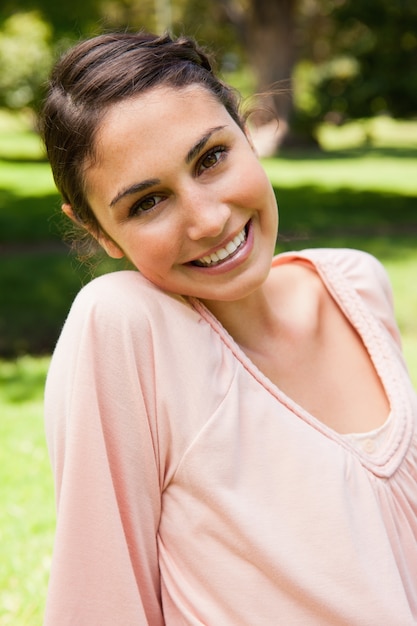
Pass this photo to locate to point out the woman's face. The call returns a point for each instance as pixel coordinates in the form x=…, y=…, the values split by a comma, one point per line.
x=178, y=189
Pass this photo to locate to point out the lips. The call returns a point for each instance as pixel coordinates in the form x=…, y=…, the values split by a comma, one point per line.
x=223, y=254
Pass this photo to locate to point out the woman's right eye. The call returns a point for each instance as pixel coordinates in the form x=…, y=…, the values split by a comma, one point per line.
x=145, y=205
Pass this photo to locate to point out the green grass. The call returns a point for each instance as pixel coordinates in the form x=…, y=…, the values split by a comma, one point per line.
x=26, y=494
x=403, y=272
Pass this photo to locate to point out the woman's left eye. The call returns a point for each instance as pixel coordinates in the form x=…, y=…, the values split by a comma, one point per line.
x=145, y=205
x=212, y=158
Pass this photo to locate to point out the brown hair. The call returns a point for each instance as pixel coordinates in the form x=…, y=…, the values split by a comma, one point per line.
x=99, y=72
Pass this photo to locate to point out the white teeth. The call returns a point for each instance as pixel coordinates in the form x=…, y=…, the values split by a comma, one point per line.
x=223, y=253
x=231, y=247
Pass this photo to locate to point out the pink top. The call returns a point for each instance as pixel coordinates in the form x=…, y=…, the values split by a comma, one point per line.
x=191, y=490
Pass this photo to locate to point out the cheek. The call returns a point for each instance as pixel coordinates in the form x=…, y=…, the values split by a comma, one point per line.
x=155, y=246
x=255, y=188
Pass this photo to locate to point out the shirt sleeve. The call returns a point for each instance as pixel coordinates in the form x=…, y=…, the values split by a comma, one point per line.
x=371, y=281
x=368, y=278
x=101, y=434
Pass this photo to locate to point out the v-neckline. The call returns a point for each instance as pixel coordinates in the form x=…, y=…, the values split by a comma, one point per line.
x=385, y=462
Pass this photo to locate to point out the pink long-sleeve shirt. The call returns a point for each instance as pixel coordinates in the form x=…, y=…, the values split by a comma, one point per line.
x=191, y=490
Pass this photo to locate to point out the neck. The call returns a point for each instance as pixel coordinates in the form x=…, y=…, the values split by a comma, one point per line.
x=247, y=320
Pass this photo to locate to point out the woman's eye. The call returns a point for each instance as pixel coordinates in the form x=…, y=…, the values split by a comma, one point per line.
x=145, y=205
x=212, y=158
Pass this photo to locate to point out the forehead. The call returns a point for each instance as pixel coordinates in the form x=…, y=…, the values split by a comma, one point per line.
x=157, y=116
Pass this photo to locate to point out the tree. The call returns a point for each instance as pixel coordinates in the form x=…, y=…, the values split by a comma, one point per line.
x=312, y=59
x=25, y=59
x=70, y=19
x=261, y=34
x=381, y=35
x=270, y=41
x=341, y=59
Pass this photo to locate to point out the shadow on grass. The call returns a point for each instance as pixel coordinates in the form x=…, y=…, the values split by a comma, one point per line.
x=312, y=211
x=37, y=291
x=29, y=218
x=386, y=248
x=22, y=159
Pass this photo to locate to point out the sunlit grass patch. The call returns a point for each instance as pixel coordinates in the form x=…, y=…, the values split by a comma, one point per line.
x=26, y=493
x=377, y=132
x=403, y=274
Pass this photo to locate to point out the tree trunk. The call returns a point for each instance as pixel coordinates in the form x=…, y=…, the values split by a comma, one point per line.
x=270, y=42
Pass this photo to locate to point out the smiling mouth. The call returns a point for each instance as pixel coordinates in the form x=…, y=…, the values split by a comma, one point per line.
x=223, y=254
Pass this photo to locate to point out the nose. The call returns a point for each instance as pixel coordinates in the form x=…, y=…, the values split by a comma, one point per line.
x=206, y=215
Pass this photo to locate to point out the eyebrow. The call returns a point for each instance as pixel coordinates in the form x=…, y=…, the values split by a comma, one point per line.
x=151, y=182
x=199, y=146
x=136, y=188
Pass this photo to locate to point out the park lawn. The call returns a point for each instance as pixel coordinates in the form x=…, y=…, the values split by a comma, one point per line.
x=26, y=493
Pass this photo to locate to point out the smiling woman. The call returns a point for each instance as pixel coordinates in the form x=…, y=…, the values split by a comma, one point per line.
x=170, y=200
x=232, y=434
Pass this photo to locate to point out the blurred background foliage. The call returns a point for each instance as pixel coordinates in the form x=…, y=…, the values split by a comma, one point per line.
x=335, y=59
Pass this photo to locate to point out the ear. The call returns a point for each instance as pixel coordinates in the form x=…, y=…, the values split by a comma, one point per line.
x=67, y=209
x=108, y=245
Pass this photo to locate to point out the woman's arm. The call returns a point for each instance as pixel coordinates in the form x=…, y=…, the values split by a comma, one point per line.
x=103, y=447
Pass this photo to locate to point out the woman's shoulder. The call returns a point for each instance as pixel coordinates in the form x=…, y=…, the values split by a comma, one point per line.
x=363, y=270
x=121, y=323
x=125, y=285
x=123, y=306
x=350, y=269
x=124, y=293
x=348, y=260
